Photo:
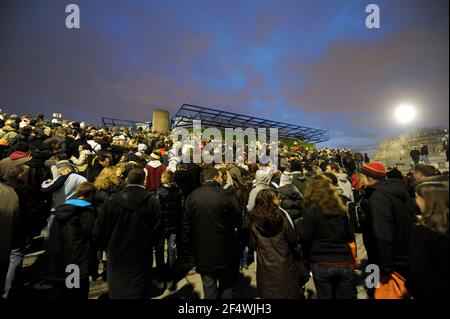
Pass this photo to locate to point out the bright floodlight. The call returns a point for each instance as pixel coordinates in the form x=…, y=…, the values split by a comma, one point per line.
x=405, y=113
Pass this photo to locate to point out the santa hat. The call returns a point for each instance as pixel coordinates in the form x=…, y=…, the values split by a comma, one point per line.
x=374, y=170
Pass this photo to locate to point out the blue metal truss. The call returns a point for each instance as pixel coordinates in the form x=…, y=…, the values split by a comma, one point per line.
x=223, y=119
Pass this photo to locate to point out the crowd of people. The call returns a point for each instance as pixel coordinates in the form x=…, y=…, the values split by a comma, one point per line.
x=117, y=201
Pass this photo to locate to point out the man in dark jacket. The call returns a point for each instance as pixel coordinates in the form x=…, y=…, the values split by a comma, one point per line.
x=291, y=198
x=127, y=227
x=211, y=224
x=390, y=218
x=71, y=243
x=169, y=196
x=415, y=156
x=9, y=205
x=424, y=154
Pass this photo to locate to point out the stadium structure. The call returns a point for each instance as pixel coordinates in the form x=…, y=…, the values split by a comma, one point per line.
x=209, y=117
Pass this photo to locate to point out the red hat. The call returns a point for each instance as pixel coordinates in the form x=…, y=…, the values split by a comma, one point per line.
x=375, y=170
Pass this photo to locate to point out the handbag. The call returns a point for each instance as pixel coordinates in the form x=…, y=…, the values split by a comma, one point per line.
x=393, y=289
x=354, y=262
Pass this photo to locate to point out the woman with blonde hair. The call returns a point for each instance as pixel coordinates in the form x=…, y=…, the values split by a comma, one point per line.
x=429, y=243
x=106, y=184
x=324, y=234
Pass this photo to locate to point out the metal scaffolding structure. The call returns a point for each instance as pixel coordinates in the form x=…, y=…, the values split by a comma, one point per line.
x=187, y=113
x=112, y=122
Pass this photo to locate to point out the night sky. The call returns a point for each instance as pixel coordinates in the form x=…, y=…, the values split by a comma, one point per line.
x=311, y=63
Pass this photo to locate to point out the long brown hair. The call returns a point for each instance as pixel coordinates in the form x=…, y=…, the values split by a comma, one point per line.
x=107, y=178
x=435, y=195
x=320, y=194
x=266, y=211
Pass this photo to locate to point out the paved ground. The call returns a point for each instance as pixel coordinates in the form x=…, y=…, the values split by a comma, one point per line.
x=190, y=286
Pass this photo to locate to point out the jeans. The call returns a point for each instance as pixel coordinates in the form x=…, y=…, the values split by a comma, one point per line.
x=333, y=281
x=15, y=264
x=164, y=272
x=358, y=164
x=217, y=287
x=245, y=257
x=425, y=159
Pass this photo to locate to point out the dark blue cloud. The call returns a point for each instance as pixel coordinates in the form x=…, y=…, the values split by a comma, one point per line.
x=311, y=63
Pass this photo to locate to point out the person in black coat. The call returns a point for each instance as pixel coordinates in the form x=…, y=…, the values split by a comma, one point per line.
x=429, y=243
x=424, y=154
x=127, y=227
x=24, y=225
x=415, y=156
x=169, y=196
x=390, y=218
x=211, y=222
x=291, y=198
x=71, y=242
x=325, y=233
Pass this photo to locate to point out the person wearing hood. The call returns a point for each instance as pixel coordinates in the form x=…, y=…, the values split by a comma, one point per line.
x=127, y=227
x=298, y=178
x=71, y=242
x=18, y=157
x=291, y=198
x=391, y=216
x=344, y=184
x=64, y=183
x=273, y=237
x=262, y=180
x=154, y=170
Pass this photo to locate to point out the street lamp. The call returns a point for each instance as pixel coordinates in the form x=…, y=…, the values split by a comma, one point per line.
x=405, y=113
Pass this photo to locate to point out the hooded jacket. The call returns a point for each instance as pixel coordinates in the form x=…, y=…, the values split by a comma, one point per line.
x=391, y=216
x=154, y=170
x=9, y=205
x=299, y=180
x=277, y=275
x=127, y=227
x=63, y=188
x=345, y=186
x=13, y=160
x=262, y=180
x=291, y=200
x=210, y=226
x=71, y=240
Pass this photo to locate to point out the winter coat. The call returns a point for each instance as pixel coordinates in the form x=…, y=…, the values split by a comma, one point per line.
x=210, y=224
x=277, y=275
x=188, y=180
x=262, y=181
x=170, y=199
x=291, y=201
x=390, y=218
x=429, y=264
x=415, y=154
x=127, y=227
x=299, y=180
x=325, y=238
x=13, y=160
x=358, y=157
x=28, y=221
x=424, y=150
x=101, y=196
x=235, y=173
x=9, y=205
x=71, y=241
x=62, y=188
x=345, y=186
x=154, y=170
